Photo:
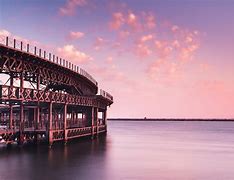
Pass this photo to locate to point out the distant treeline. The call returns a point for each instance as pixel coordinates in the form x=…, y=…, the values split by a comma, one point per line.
x=166, y=119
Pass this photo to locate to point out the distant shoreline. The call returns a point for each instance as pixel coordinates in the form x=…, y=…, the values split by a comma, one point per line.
x=165, y=119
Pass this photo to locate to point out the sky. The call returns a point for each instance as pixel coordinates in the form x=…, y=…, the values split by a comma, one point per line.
x=158, y=58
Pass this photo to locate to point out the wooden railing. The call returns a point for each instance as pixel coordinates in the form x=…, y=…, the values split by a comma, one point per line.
x=78, y=132
x=26, y=94
x=106, y=95
x=102, y=128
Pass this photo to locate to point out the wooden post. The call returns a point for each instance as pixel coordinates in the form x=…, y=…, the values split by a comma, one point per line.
x=105, y=119
x=65, y=123
x=11, y=108
x=37, y=115
x=11, y=80
x=72, y=118
x=50, y=124
x=21, y=80
x=92, y=125
x=38, y=104
x=97, y=123
x=10, y=116
x=21, y=126
x=82, y=119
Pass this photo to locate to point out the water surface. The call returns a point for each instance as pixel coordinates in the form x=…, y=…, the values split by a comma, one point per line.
x=132, y=150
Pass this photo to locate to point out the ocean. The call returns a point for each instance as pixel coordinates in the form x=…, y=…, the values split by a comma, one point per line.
x=179, y=150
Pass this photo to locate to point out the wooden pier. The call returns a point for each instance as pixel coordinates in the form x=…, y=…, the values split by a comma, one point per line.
x=46, y=98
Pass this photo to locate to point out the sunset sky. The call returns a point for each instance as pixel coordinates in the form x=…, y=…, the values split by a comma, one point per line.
x=158, y=58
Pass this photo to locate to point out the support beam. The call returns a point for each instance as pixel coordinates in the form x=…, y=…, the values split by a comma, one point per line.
x=38, y=104
x=72, y=118
x=65, y=123
x=11, y=117
x=92, y=125
x=50, y=139
x=21, y=127
x=21, y=80
x=11, y=80
x=105, y=118
x=37, y=115
x=97, y=122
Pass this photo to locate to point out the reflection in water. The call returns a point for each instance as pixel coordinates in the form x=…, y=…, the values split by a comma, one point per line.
x=76, y=160
x=131, y=150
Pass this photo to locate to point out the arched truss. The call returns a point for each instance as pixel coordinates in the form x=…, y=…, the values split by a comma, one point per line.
x=38, y=70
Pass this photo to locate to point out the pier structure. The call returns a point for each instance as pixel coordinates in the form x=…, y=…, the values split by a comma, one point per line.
x=47, y=98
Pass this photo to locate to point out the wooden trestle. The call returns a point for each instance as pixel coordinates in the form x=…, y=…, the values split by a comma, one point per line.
x=60, y=103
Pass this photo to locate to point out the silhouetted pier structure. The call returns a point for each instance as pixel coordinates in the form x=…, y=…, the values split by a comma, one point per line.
x=47, y=98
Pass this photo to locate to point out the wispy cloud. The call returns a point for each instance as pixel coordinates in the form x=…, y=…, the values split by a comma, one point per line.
x=70, y=7
x=73, y=35
x=142, y=50
x=117, y=21
x=4, y=32
x=99, y=43
x=146, y=38
x=164, y=72
x=71, y=53
x=150, y=20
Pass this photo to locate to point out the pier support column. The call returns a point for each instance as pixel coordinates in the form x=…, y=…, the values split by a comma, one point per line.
x=10, y=105
x=92, y=124
x=37, y=121
x=11, y=117
x=50, y=113
x=97, y=121
x=37, y=116
x=38, y=105
x=104, y=118
x=21, y=125
x=65, y=123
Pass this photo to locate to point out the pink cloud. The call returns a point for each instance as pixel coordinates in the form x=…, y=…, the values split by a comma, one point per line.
x=124, y=34
x=181, y=45
x=146, y=38
x=189, y=39
x=164, y=71
x=130, y=21
x=109, y=60
x=107, y=72
x=187, y=53
x=174, y=28
x=142, y=50
x=76, y=35
x=4, y=32
x=176, y=44
x=171, y=45
x=99, y=43
x=118, y=20
x=133, y=22
x=164, y=49
x=70, y=7
x=150, y=21
x=70, y=53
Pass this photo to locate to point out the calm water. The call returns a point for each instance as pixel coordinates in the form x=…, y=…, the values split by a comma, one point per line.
x=132, y=150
